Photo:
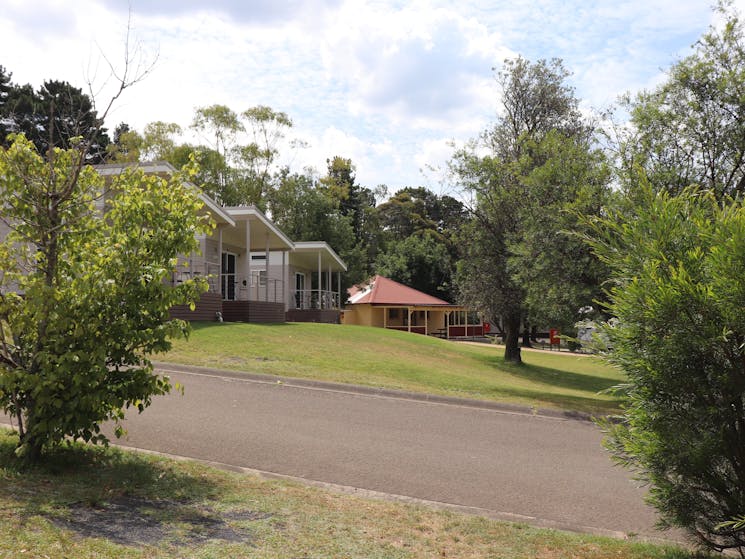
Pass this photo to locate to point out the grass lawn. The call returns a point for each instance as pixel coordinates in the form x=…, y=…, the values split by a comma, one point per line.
x=86, y=502
x=399, y=360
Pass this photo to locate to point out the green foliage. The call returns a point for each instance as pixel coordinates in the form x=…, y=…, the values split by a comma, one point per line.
x=689, y=129
x=306, y=213
x=679, y=298
x=126, y=146
x=357, y=204
x=419, y=261
x=158, y=141
x=519, y=264
x=418, y=240
x=83, y=298
x=55, y=115
x=565, y=179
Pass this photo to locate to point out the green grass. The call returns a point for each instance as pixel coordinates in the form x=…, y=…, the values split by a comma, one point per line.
x=86, y=502
x=399, y=360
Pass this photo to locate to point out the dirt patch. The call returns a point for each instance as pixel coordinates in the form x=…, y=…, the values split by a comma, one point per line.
x=136, y=521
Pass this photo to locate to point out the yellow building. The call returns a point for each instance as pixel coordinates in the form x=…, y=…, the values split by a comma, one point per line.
x=384, y=303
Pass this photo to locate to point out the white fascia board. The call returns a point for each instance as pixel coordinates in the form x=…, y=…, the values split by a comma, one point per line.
x=309, y=246
x=253, y=211
x=216, y=209
x=154, y=167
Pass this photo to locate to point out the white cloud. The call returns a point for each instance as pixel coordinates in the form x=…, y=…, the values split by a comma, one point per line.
x=256, y=12
x=381, y=82
x=414, y=65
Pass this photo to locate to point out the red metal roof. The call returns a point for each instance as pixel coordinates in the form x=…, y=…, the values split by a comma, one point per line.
x=384, y=291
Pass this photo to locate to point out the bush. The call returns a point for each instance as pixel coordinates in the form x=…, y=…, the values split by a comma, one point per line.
x=83, y=301
x=679, y=296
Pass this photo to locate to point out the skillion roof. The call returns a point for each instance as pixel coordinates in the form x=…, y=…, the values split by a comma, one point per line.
x=384, y=291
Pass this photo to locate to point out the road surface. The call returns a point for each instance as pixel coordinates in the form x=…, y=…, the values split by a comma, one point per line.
x=547, y=470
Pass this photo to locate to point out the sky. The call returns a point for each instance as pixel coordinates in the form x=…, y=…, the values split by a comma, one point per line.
x=391, y=85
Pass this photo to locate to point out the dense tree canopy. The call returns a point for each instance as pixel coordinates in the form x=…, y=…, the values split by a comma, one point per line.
x=83, y=301
x=678, y=297
x=674, y=241
x=689, y=129
x=418, y=244
x=52, y=116
x=541, y=166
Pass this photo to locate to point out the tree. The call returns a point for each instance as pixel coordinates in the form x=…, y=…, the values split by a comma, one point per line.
x=550, y=260
x=159, y=141
x=341, y=184
x=257, y=158
x=419, y=261
x=417, y=240
x=83, y=301
x=126, y=145
x=689, y=129
x=519, y=188
x=54, y=116
x=6, y=86
x=358, y=205
x=678, y=295
x=306, y=213
x=238, y=159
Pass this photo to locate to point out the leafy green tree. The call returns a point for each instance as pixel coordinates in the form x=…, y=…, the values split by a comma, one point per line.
x=256, y=159
x=418, y=226
x=83, y=299
x=689, y=129
x=566, y=180
x=54, y=116
x=220, y=125
x=678, y=295
x=419, y=261
x=126, y=145
x=306, y=213
x=6, y=86
x=356, y=203
x=519, y=189
x=159, y=141
x=341, y=184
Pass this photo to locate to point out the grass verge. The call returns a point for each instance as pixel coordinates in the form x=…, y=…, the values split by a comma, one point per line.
x=399, y=360
x=86, y=502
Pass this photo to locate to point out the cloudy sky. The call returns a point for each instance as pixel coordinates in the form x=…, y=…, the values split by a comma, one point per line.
x=390, y=84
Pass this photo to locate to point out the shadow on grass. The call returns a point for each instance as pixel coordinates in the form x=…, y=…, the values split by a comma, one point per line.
x=567, y=402
x=552, y=377
x=122, y=497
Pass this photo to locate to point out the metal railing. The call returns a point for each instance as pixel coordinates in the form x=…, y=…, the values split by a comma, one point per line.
x=255, y=288
x=313, y=299
x=208, y=270
x=233, y=286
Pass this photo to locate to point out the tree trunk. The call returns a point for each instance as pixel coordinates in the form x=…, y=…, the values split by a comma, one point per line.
x=512, y=340
x=32, y=448
x=526, y=336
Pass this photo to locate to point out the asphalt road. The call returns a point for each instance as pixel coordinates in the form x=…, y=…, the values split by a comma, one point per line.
x=552, y=471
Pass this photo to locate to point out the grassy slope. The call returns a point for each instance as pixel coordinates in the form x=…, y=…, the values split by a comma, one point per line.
x=386, y=358
x=170, y=509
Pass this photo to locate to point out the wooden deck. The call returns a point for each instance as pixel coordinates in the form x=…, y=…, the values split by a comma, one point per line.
x=253, y=311
x=326, y=316
x=210, y=304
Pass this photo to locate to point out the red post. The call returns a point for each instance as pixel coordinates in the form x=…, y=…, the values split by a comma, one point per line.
x=553, y=338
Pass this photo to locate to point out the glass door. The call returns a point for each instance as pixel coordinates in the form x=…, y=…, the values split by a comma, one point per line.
x=228, y=276
x=299, y=290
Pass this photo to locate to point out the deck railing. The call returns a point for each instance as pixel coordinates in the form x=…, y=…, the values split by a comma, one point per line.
x=313, y=299
x=208, y=270
x=240, y=288
x=234, y=286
